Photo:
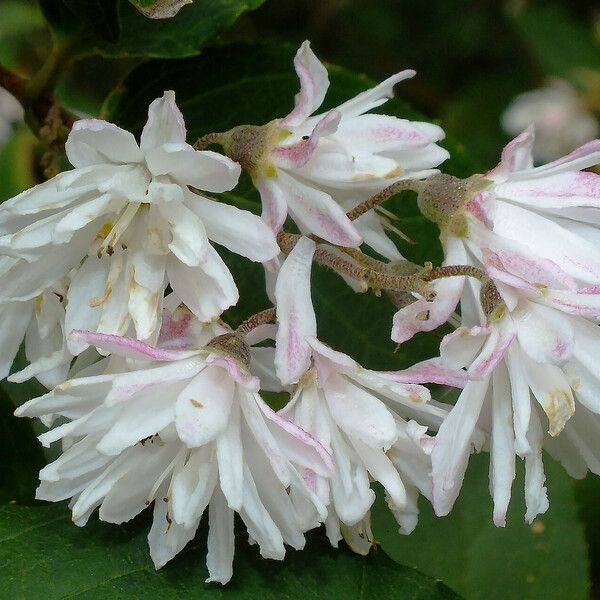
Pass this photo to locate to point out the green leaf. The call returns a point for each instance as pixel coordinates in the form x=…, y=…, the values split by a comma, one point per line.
x=97, y=17
x=561, y=45
x=17, y=163
x=21, y=457
x=543, y=561
x=43, y=555
x=183, y=35
x=587, y=492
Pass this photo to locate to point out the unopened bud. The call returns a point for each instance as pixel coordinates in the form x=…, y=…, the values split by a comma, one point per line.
x=250, y=145
x=444, y=197
x=231, y=344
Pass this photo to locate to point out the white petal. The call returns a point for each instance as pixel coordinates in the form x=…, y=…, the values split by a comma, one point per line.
x=94, y=142
x=295, y=313
x=453, y=445
x=206, y=290
x=360, y=414
x=165, y=123
x=204, y=170
x=203, y=407
x=221, y=542
x=166, y=539
x=14, y=318
x=502, y=459
x=231, y=460
x=238, y=230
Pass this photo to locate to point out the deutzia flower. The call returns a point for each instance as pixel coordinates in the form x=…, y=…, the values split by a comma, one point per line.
x=561, y=120
x=362, y=416
x=187, y=430
x=41, y=321
x=127, y=222
x=532, y=345
x=319, y=167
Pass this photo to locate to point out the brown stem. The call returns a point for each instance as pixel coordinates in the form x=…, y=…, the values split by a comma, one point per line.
x=206, y=140
x=260, y=318
x=372, y=278
x=384, y=194
x=13, y=83
x=433, y=273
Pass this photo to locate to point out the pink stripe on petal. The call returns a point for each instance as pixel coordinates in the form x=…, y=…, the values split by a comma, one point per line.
x=298, y=433
x=494, y=350
x=314, y=82
x=129, y=347
x=236, y=371
x=517, y=154
x=432, y=371
x=297, y=155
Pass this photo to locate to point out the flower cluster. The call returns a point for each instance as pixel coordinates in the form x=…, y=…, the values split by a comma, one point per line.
x=109, y=274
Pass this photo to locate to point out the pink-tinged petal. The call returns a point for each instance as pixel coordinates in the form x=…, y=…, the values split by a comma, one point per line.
x=96, y=142
x=479, y=208
x=300, y=447
x=314, y=82
x=526, y=273
x=165, y=123
x=494, y=349
x=422, y=315
x=295, y=313
x=583, y=157
x=433, y=370
x=548, y=240
x=129, y=347
x=563, y=190
x=459, y=348
x=454, y=442
x=316, y=212
x=374, y=97
x=177, y=330
x=517, y=155
x=204, y=170
x=383, y=133
x=236, y=371
x=295, y=156
x=274, y=202
x=584, y=302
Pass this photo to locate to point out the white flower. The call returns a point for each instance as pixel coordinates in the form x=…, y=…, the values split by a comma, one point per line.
x=562, y=123
x=41, y=322
x=361, y=416
x=541, y=223
x=534, y=231
x=317, y=168
x=186, y=429
x=125, y=219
